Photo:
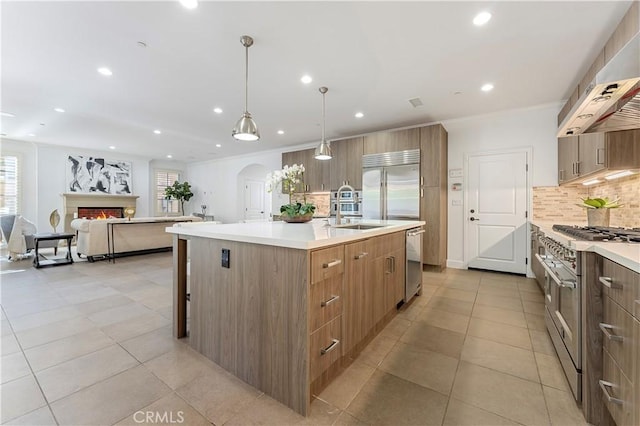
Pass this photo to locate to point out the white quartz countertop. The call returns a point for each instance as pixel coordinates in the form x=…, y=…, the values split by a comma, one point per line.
x=626, y=254
x=310, y=235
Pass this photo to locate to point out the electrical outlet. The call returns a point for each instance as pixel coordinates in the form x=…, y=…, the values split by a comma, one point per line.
x=226, y=258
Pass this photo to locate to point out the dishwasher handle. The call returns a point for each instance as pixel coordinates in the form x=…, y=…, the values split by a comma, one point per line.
x=414, y=233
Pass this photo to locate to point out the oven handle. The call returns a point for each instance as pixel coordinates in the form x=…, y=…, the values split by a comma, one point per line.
x=560, y=283
x=604, y=385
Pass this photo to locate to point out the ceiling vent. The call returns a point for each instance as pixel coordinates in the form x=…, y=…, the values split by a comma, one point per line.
x=416, y=102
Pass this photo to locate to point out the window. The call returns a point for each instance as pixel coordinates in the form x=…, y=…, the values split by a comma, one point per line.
x=165, y=178
x=9, y=184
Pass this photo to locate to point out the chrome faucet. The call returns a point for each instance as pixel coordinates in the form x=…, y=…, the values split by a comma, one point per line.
x=338, y=212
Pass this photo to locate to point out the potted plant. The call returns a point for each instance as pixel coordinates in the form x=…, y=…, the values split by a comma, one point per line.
x=288, y=177
x=179, y=191
x=598, y=213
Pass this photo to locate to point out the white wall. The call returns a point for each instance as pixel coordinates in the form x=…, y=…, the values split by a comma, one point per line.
x=533, y=128
x=44, y=178
x=216, y=183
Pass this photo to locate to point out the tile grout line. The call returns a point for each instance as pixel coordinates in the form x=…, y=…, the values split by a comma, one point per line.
x=33, y=374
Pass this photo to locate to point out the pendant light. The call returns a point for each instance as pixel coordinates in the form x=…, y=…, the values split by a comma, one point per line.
x=323, y=151
x=246, y=129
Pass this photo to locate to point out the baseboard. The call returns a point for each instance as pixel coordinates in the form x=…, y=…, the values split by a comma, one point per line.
x=456, y=264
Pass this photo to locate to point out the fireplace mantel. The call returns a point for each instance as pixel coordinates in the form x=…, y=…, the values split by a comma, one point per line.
x=73, y=200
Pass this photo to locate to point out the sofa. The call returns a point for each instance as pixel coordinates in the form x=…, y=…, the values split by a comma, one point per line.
x=99, y=238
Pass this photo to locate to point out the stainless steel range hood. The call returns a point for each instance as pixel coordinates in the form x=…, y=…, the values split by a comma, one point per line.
x=612, y=100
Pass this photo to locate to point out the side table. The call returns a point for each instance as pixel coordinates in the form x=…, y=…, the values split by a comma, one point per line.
x=40, y=260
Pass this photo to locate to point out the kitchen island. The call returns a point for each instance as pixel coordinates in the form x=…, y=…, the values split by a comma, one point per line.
x=285, y=307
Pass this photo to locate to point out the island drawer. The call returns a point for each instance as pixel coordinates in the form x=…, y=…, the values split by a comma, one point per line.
x=618, y=338
x=325, y=347
x=325, y=301
x=617, y=392
x=620, y=284
x=326, y=263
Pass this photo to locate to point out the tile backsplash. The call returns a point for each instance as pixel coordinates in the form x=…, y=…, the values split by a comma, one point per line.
x=558, y=203
x=321, y=200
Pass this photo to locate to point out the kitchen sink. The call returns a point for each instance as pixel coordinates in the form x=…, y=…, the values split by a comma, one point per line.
x=361, y=226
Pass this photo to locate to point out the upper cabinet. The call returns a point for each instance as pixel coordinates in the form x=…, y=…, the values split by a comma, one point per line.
x=567, y=158
x=397, y=140
x=316, y=175
x=346, y=164
x=587, y=154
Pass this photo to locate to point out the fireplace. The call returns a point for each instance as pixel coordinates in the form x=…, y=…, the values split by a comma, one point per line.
x=100, y=212
x=72, y=201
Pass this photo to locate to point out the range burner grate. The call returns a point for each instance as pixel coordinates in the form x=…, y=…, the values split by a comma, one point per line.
x=600, y=233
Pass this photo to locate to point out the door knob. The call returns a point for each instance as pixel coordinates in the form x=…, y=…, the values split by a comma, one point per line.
x=473, y=219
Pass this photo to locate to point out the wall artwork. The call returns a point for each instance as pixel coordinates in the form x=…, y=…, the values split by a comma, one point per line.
x=90, y=174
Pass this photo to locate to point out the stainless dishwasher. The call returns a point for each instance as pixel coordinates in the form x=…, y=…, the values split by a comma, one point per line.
x=413, y=278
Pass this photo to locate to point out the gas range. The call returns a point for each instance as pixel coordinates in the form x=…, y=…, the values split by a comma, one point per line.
x=600, y=233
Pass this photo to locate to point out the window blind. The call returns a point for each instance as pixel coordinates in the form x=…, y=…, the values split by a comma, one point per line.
x=165, y=178
x=9, y=184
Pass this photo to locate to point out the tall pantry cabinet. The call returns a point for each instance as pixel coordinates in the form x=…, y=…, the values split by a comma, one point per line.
x=433, y=192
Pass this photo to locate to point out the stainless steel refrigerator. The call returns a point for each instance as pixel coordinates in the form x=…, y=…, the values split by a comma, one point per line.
x=391, y=185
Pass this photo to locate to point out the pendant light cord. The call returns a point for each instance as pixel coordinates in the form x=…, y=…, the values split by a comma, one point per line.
x=246, y=79
x=323, y=118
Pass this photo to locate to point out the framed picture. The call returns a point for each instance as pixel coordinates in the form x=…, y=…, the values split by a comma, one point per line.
x=91, y=174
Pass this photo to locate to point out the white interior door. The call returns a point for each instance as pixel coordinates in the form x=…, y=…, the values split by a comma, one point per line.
x=254, y=199
x=496, y=214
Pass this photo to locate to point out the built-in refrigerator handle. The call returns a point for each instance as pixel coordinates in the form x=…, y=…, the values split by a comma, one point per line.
x=383, y=195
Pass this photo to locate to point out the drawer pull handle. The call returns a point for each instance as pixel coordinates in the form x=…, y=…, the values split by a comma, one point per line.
x=605, y=329
x=330, y=301
x=332, y=346
x=360, y=256
x=332, y=263
x=608, y=282
x=604, y=385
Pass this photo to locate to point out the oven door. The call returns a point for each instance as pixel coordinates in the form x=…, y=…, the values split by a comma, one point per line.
x=562, y=299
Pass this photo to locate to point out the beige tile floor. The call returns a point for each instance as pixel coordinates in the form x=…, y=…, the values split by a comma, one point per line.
x=91, y=344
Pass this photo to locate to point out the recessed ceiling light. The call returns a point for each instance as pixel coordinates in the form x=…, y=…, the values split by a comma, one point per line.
x=218, y=145
x=481, y=18
x=189, y=4
x=58, y=110
x=217, y=110
x=306, y=79
x=487, y=87
x=169, y=156
x=142, y=44
x=112, y=147
x=105, y=71
x=157, y=132
x=457, y=93
x=3, y=134
x=281, y=132
x=31, y=134
x=359, y=115
x=7, y=114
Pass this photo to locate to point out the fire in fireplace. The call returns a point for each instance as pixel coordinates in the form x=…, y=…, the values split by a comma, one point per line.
x=100, y=212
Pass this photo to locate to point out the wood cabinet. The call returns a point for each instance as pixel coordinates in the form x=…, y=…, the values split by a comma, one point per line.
x=537, y=248
x=316, y=175
x=374, y=285
x=346, y=164
x=590, y=153
x=567, y=158
x=433, y=191
x=620, y=384
x=396, y=140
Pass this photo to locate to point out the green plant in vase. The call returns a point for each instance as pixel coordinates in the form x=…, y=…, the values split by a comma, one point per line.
x=179, y=191
x=289, y=177
x=598, y=210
